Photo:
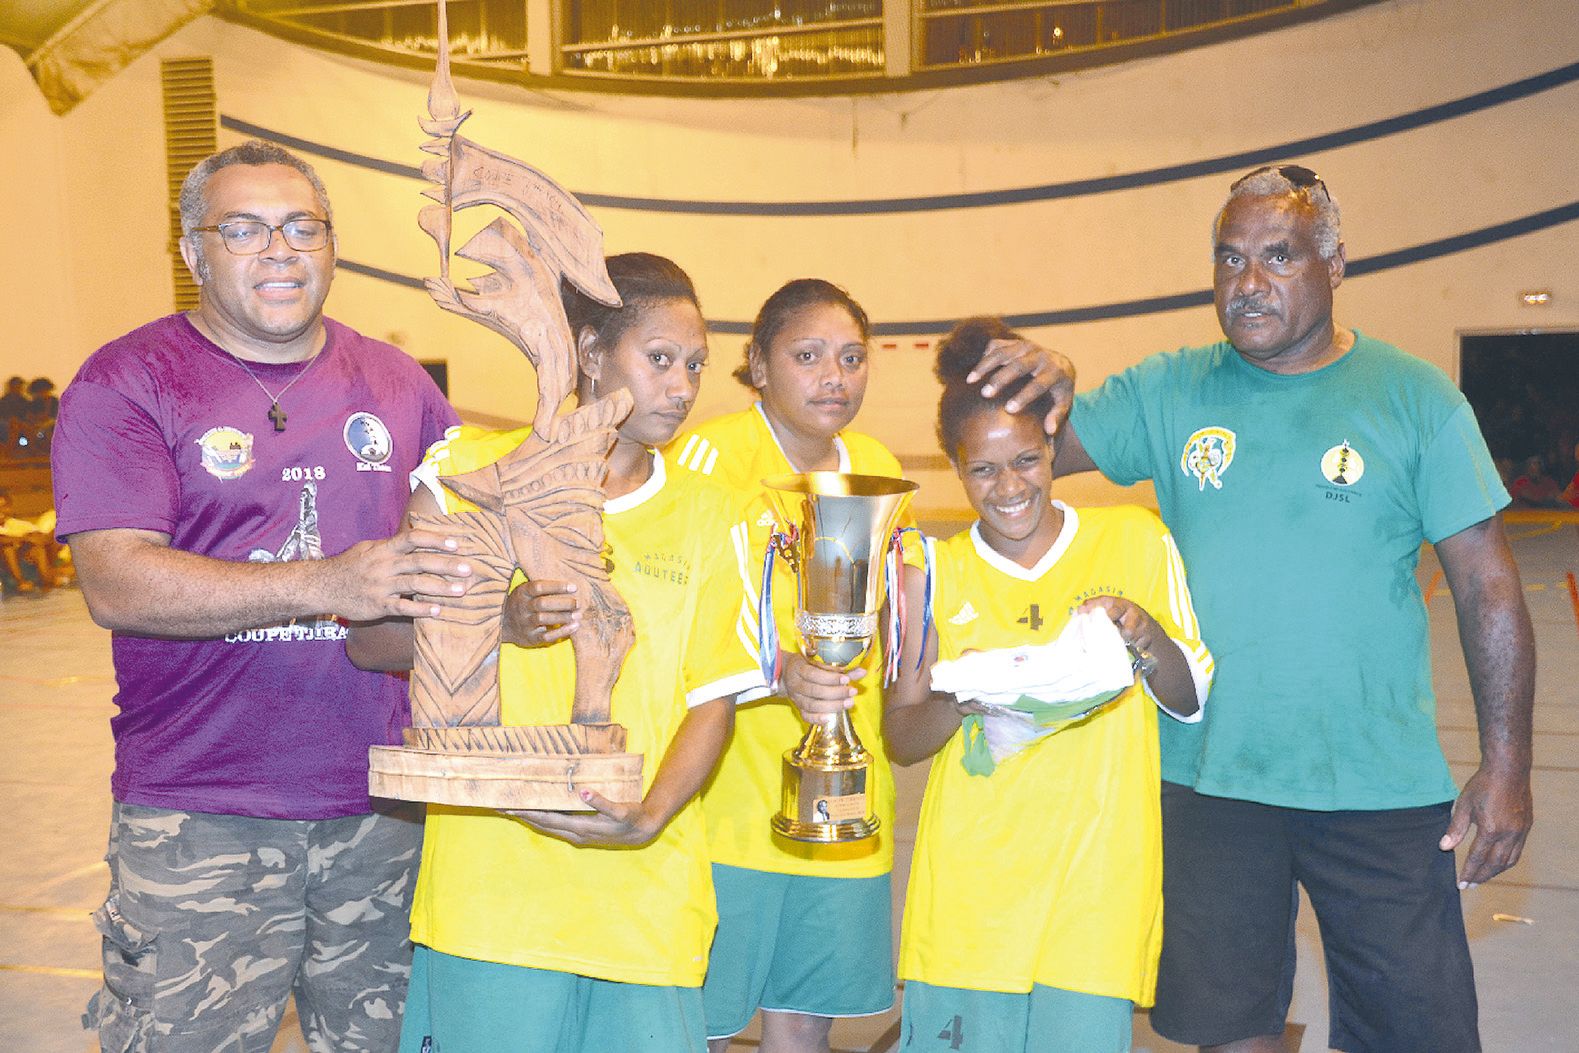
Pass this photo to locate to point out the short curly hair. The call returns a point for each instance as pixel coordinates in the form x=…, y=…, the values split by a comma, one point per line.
x=193, y=200
x=1269, y=182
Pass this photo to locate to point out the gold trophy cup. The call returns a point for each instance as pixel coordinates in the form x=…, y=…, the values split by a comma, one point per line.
x=834, y=530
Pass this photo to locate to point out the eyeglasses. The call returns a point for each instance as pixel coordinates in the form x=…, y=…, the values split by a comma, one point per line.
x=248, y=237
x=1302, y=178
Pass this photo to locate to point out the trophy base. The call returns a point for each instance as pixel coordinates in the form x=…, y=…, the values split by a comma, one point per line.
x=543, y=768
x=825, y=804
x=825, y=833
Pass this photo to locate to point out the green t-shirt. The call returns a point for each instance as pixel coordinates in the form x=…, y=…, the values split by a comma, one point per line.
x=1299, y=504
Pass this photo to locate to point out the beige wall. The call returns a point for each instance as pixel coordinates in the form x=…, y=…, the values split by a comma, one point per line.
x=1444, y=179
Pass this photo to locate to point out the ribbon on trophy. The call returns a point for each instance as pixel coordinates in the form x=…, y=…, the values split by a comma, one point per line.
x=896, y=601
x=769, y=657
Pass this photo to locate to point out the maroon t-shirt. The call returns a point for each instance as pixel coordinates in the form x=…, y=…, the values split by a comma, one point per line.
x=161, y=430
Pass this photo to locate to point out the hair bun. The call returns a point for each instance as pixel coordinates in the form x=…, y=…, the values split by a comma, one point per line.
x=963, y=348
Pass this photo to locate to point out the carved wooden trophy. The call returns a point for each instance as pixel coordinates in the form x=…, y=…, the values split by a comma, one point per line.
x=539, y=508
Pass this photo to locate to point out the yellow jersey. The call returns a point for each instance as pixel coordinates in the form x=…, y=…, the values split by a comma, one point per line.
x=738, y=451
x=1049, y=871
x=492, y=889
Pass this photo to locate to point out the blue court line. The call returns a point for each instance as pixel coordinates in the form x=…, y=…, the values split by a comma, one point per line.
x=1384, y=261
x=1234, y=162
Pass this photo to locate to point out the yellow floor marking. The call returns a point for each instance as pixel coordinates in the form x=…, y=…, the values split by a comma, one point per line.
x=1549, y=528
x=1430, y=589
x=52, y=970
x=70, y=875
x=59, y=681
x=80, y=913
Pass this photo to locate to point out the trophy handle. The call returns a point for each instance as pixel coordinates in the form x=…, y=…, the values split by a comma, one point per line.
x=786, y=543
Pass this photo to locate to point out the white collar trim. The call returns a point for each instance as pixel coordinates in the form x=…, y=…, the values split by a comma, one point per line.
x=838, y=443
x=1003, y=564
x=654, y=483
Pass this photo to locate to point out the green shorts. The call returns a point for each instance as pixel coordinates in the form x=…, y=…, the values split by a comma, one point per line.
x=787, y=943
x=938, y=1019
x=457, y=1005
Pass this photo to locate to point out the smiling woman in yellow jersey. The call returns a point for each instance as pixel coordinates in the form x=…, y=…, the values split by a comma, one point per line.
x=589, y=932
x=1033, y=918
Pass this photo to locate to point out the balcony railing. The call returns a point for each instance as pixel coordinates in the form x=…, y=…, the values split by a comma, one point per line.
x=957, y=33
x=768, y=46
x=703, y=40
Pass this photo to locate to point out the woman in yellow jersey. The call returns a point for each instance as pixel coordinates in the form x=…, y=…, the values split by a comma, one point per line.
x=804, y=931
x=1033, y=917
x=588, y=932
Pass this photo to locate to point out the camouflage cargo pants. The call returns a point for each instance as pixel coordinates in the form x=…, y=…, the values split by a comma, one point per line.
x=212, y=920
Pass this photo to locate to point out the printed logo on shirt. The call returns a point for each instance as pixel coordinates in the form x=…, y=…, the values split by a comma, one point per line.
x=1342, y=465
x=303, y=542
x=965, y=615
x=669, y=567
x=765, y=519
x=368, y=439
x=226, y=452
x=1207, y=455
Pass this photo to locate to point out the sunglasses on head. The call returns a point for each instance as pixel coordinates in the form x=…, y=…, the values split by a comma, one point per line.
x=1301, y=177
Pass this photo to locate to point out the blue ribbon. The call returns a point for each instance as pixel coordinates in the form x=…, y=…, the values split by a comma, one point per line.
x=768, y=656
x=896, y=601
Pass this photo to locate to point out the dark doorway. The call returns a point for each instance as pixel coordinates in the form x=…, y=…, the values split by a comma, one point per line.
x=1524, y=388
x=439, y=370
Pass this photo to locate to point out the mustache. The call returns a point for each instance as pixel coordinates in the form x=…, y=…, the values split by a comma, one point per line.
x=1240, y=305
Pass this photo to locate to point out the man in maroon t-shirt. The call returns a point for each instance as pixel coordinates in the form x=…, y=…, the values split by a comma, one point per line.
x=224, y=478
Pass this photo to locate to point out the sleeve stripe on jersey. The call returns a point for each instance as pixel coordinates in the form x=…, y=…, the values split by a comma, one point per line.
x=1183, y=607
x=427, y=473
x=740, y=534
x=690, y=444
x=746, y=623
x=725, y=688
x=698, y=455
x=1199, y=659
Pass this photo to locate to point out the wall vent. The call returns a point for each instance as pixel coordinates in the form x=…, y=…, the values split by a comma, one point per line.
x=191, y=133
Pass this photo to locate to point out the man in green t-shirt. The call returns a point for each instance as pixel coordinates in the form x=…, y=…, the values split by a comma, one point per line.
x=1299, y=465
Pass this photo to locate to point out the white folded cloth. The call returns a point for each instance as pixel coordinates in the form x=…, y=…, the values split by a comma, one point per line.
x=1031, y=692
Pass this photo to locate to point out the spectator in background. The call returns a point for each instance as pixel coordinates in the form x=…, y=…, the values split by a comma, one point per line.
x=1571, y=494
x=30, y=542
x=38, y=420
x=13, y=411
x=1536, y=489
x=1505, y=471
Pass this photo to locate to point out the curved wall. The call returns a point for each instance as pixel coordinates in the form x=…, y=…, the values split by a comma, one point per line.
x=1404, y=186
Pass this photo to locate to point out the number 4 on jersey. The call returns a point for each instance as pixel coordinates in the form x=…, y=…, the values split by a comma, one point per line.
x=1033, y=618
x=954, y=1033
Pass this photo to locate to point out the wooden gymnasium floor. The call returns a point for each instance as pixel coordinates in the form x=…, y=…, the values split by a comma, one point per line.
x=56, y=687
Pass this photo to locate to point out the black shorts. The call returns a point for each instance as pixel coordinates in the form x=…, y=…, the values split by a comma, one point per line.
x=1386, y=899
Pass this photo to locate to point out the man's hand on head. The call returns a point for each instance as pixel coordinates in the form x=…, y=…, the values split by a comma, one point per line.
x=1045, y=372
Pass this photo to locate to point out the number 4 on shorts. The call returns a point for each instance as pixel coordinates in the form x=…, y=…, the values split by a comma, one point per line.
x=953, y=1033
